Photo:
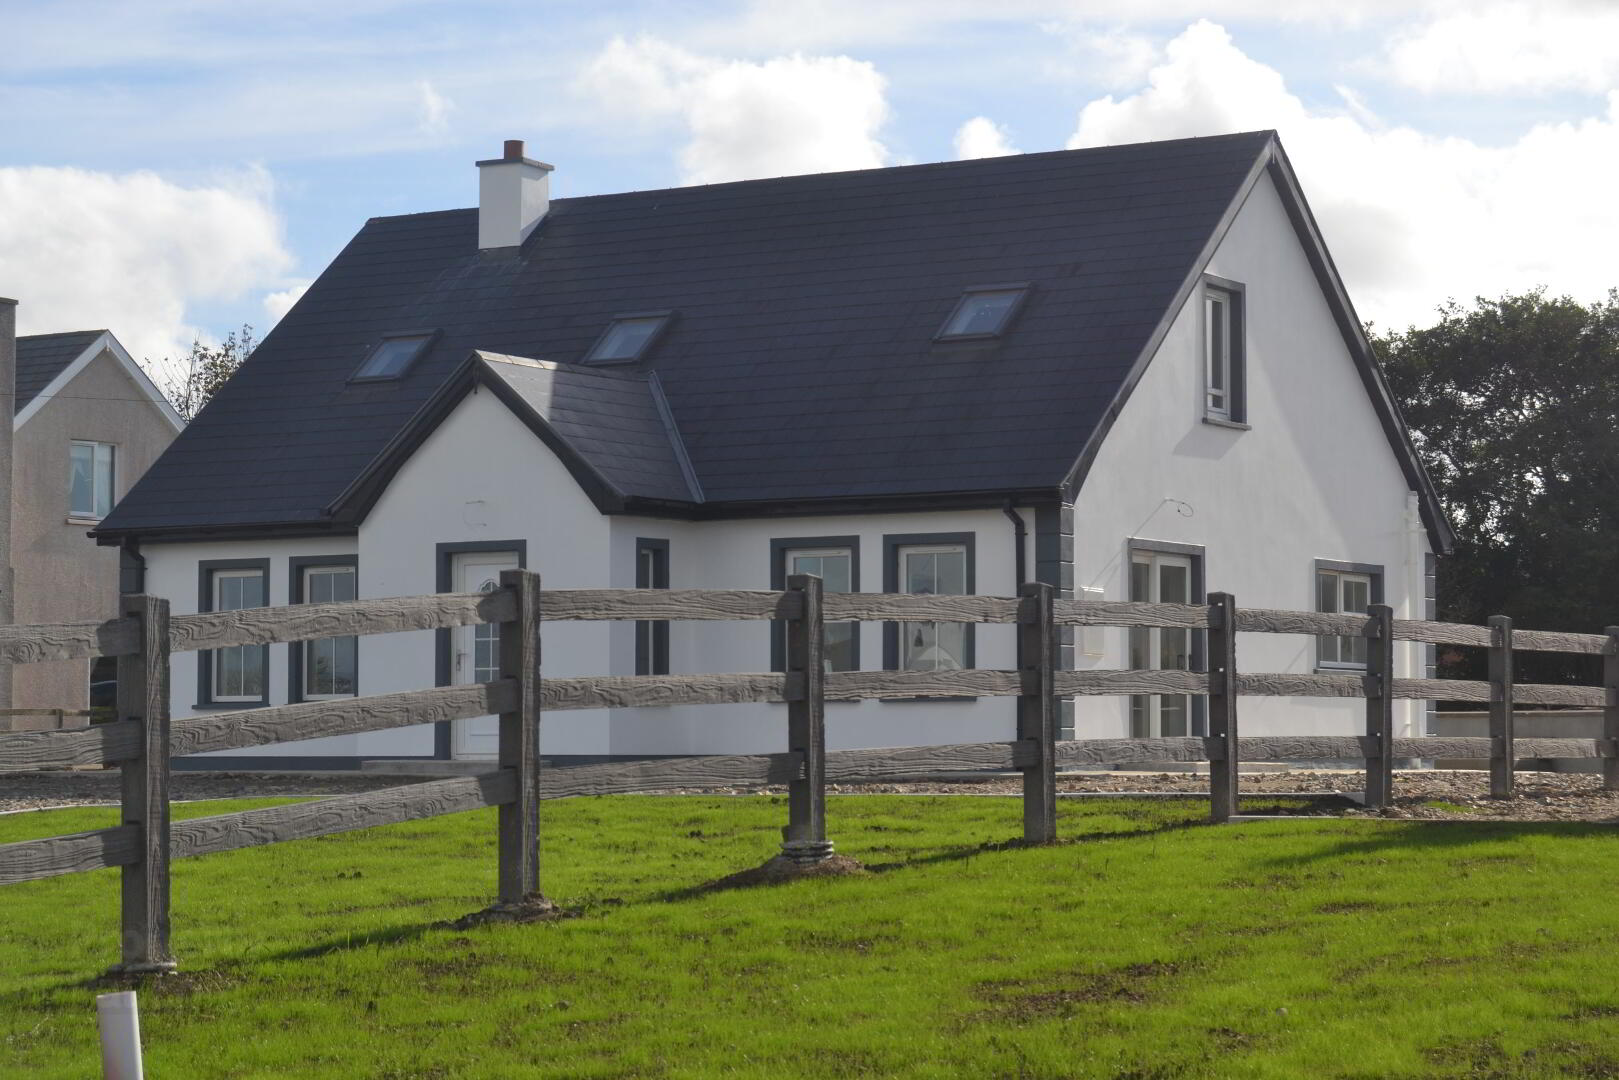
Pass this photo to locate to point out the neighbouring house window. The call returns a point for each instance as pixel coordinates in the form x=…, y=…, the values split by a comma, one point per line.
x=90, y=480
x=628, y=338
x=392, y=357
x=1345, y=589
x=983, y=312
x=328, y=667
x=1223, y=352
x=930, y=566
x=1163, y=573
x=652, y=635
x=238, y=674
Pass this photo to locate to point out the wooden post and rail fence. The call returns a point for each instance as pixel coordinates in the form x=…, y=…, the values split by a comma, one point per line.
x=144, y=738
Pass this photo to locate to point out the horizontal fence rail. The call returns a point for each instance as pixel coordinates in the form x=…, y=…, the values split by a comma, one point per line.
x=143, y=738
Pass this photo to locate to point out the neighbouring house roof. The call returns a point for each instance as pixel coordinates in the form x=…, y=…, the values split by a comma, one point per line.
x=42, y=357
x=799, y=365
x=46, y=363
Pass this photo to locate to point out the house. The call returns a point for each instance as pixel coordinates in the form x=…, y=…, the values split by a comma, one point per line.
x=1132, y=372
x=87, y=422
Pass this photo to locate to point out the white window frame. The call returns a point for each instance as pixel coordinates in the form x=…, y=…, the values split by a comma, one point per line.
x=96, y=492
x=306, y=665
x=902, y=554
x=217, y=655
x=1334, y=643
x=1151, y=638
x=789, y=555
x=1219, y=365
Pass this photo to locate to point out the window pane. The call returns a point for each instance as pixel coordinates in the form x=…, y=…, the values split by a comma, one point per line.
x=103, y=479
x=1357, y=594
x=982, y=312
x=1172, y=713
x=1140, y=716
x=1174, y=583
x=1326, y=593
x=626, y=338
x=1140, y=581
x=1174, y=649
x=840, y=647
x=81, y=488
x=951, y=567
x=920, y=576
x=1217, y=344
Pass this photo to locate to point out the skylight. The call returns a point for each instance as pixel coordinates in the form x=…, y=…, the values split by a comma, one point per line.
x=392, y=357
x=984, y=312
x=628, y=338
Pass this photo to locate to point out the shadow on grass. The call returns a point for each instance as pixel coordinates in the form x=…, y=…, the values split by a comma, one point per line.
x=1435, y=836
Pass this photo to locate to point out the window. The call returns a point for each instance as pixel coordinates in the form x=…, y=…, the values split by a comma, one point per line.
x=652, y=635
x=985, y=311
x=1345, y=589
x=90, y=480
x=392, y=357
x=939, y=564
x=1165, y=573
x=833, y=559
x=628, y=338
x=329, y=667
x=238, y=674
x=1223, y=352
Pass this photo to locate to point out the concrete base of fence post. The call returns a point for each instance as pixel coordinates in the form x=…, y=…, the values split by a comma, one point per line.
x=807, y=852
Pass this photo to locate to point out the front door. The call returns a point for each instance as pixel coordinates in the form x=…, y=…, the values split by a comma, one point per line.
x=1160, y=578
x=475, y=650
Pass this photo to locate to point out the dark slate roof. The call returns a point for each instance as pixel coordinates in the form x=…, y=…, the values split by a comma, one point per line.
x=801, y=363
x=42, y=357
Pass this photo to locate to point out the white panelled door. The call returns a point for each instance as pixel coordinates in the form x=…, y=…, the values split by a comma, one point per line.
x=475, y=650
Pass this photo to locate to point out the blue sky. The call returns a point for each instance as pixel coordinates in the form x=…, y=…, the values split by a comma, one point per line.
x=179, y=167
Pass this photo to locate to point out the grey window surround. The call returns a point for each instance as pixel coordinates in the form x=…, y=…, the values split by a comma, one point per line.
x=1200, y=656
x=443, y=562
x=655, y=662
x=428, y=336
x=779, y=547
x=1237, y=391
x=1374, y=571
x=892, y=542
x=205, y=658
x=665, y=317
x=295, y=595
x=1022, y=288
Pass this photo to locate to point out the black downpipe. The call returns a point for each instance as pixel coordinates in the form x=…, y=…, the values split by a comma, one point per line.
x=1020, y=536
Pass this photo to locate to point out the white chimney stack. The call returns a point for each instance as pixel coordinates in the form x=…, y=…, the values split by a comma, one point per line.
x=514, y=193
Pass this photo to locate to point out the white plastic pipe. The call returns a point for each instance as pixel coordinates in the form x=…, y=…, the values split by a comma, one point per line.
x=120, y=1035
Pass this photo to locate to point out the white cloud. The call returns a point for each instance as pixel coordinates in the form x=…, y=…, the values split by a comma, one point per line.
x=1512, y=48
x=1113, y=57
x=746, y=119
x=982, y=137
x=1412, y=219
x=131, y=252
x=278, y=303
x=432, y=109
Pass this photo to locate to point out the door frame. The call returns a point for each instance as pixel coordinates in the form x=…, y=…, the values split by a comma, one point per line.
x=1199, y=660
x=444, y=660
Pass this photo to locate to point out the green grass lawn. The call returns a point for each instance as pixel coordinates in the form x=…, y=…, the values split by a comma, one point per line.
x=1149, y=946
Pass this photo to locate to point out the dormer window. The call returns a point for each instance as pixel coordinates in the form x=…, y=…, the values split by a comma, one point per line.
x=628, y=338
x=392, y=357
x=985, y=311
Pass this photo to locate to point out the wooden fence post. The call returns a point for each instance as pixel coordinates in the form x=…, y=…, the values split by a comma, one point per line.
x=519, y=746
x=1223, y=706
x=143, y=696
x=1038, y=710
x=1503, y=758
x=804, y=840
x=1610, y=711
x=1380, y=704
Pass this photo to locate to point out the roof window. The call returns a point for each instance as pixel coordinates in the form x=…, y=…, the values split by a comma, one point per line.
x=392, y=357
x=628, y=338
x=984, y=311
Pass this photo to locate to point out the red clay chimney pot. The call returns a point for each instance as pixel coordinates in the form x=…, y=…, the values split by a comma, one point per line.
x=514, y=149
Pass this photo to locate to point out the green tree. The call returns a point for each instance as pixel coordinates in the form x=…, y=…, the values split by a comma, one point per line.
x=1514, y=406
x=205, y=370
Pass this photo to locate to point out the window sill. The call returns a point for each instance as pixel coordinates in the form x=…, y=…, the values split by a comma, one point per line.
x=1220, y=421
x=934, y=698
x=83, y=519
x=228, y=706
x=1357, y=669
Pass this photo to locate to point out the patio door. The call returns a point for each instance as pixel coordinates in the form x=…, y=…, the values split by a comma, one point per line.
x=475, y=650
x=1161, y=578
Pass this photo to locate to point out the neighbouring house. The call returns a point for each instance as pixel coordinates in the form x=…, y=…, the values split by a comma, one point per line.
x=87, y=423
x=1132, y=372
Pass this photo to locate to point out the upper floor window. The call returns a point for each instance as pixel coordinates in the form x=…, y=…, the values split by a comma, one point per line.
x=90, y=480
x=392, y=357
x=983, y=312
x=1223, y=352
x=628, y=338
x=1345, y=589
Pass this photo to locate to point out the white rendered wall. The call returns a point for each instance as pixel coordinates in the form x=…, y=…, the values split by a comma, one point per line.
x=1314, y=478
